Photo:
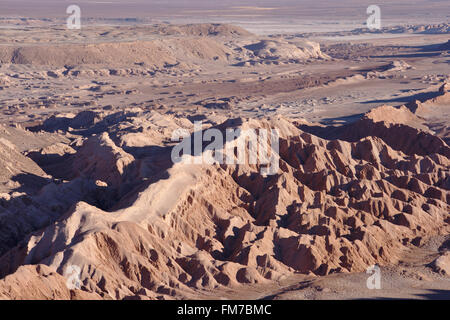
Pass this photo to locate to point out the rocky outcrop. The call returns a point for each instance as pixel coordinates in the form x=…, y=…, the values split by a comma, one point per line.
x=334, y=206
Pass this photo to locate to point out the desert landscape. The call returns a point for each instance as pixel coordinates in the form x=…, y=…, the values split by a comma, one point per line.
x=93, y=205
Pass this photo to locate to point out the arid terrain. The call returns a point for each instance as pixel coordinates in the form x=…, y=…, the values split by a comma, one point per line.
x=89, y=188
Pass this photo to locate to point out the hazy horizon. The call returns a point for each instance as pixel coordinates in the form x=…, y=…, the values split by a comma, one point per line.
x=186, y=8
